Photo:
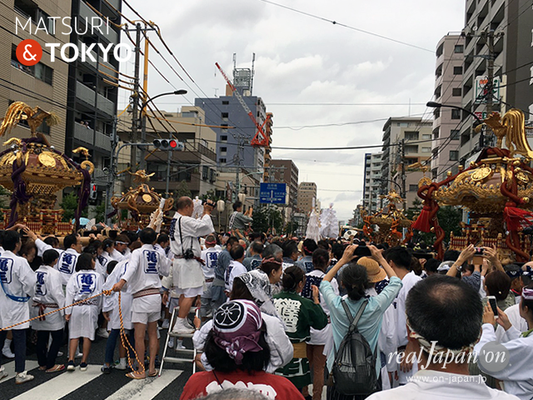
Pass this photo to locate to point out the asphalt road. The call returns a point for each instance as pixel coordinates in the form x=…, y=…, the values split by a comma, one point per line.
x=92, y=384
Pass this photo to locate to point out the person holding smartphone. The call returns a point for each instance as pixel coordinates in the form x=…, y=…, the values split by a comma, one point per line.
x=516, y=376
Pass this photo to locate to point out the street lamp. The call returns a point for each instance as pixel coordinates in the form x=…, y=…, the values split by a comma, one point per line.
x=479, y=122
x=143, y=127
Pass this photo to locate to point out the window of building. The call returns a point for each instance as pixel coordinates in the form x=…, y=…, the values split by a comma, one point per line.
x=456, y=114
x=222, y=160
x=44, y=73
x=225, y=115
x=223, y=138
x=223, y=149
x=413, y=188
x=456, y=92
x=458, y=70
x=455, y=134
x=426, y=149
x=454, y=155
x=426, y=136
x=225, y=102
x=411, y=135
x=459, y=48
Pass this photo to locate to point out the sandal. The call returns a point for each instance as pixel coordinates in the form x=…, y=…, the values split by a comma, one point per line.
x=42, y=368
x=56, y=368
x=153, y=374
x=132, y=375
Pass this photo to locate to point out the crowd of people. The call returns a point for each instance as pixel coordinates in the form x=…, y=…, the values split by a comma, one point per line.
x=273, y=312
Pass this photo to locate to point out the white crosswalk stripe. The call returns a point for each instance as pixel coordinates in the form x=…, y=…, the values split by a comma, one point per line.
x=10, y=368
x=61, y=385
x=66, y=383
x=146, y=388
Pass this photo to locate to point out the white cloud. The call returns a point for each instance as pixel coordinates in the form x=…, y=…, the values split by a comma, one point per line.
x=300, y=59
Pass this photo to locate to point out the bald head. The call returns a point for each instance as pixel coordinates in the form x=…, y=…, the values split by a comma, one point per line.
x=185, y=206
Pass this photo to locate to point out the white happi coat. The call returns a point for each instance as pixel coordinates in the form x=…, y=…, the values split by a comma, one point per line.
x=67, y=264
x=18, y=279
x=84, y=318
x=188, y=273
x=144, y=268
x=111, y=302
x=48, y=290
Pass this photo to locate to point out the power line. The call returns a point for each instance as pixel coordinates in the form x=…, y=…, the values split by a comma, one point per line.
x=346, y=26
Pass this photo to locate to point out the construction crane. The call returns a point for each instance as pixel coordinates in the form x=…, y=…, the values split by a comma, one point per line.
x=260, y=139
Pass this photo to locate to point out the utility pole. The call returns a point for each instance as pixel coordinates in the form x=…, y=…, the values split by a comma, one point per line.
x=402, y=164
x=112, y=173
x=135, y=97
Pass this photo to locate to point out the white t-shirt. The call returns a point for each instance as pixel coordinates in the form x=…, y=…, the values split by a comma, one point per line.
x=210, y=257
x=433, y=385
x=234, y=270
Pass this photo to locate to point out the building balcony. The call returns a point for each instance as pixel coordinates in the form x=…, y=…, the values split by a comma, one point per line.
x=87, y=14
x=94, y=138
x=85, y=93
x=106, y=105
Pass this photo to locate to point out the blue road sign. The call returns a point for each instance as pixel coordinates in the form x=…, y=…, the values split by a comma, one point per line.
x=273, y=193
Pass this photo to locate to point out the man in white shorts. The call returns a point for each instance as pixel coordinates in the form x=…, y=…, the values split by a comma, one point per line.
x=187, y=276
x=142, y=276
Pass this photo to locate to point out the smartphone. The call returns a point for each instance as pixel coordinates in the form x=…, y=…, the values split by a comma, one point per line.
x=362, y=251
x=477, y=258
x=493, y=305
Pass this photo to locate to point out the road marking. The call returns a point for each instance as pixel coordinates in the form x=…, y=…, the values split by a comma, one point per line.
x=143, y=389
x=10, y=368
x=61, y=385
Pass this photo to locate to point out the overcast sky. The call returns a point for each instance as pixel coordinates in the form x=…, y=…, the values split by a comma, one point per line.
x=322, y=81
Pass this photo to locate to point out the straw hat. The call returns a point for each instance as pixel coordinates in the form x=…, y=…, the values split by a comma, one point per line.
x=375, y=272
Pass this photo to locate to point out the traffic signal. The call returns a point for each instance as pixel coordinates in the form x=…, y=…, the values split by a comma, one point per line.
x=93, y=193
x=168, y=145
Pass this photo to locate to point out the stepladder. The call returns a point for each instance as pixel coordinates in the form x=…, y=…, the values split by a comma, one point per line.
x=186, y=355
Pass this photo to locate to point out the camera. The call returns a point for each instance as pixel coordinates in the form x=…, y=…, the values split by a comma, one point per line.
x=210, y=203
x=188, y=254
x=362, y=251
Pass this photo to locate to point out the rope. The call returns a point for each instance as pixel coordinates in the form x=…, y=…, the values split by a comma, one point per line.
x=123, y=338
x=125, y=341
x=105, y=292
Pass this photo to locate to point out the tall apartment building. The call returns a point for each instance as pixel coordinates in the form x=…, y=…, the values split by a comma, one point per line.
x=448, y=91
x=92, y=95
x=372, y=181
x=44, y=84
x=307, y=196
x=285, y=171
x=511, y=25
x=236, y=127
x=415, y=135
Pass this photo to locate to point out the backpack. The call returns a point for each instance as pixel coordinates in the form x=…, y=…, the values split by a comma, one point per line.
x=354, y=369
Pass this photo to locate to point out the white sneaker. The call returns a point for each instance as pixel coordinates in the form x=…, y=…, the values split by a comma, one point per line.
x=121, y=366
x=181, y=328
x=179, y=345
x=7, y=353
x=59, y=353
x=171, y=343
x=188, y=324
x=103, y=333
x=23, y=377
x=3, y=373
x=165, y=324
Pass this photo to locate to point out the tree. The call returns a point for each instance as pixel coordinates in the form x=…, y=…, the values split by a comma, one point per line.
x=182, y=190
x=265, y=217
x=69, y=206
x=449, y=218
x=292, y=226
